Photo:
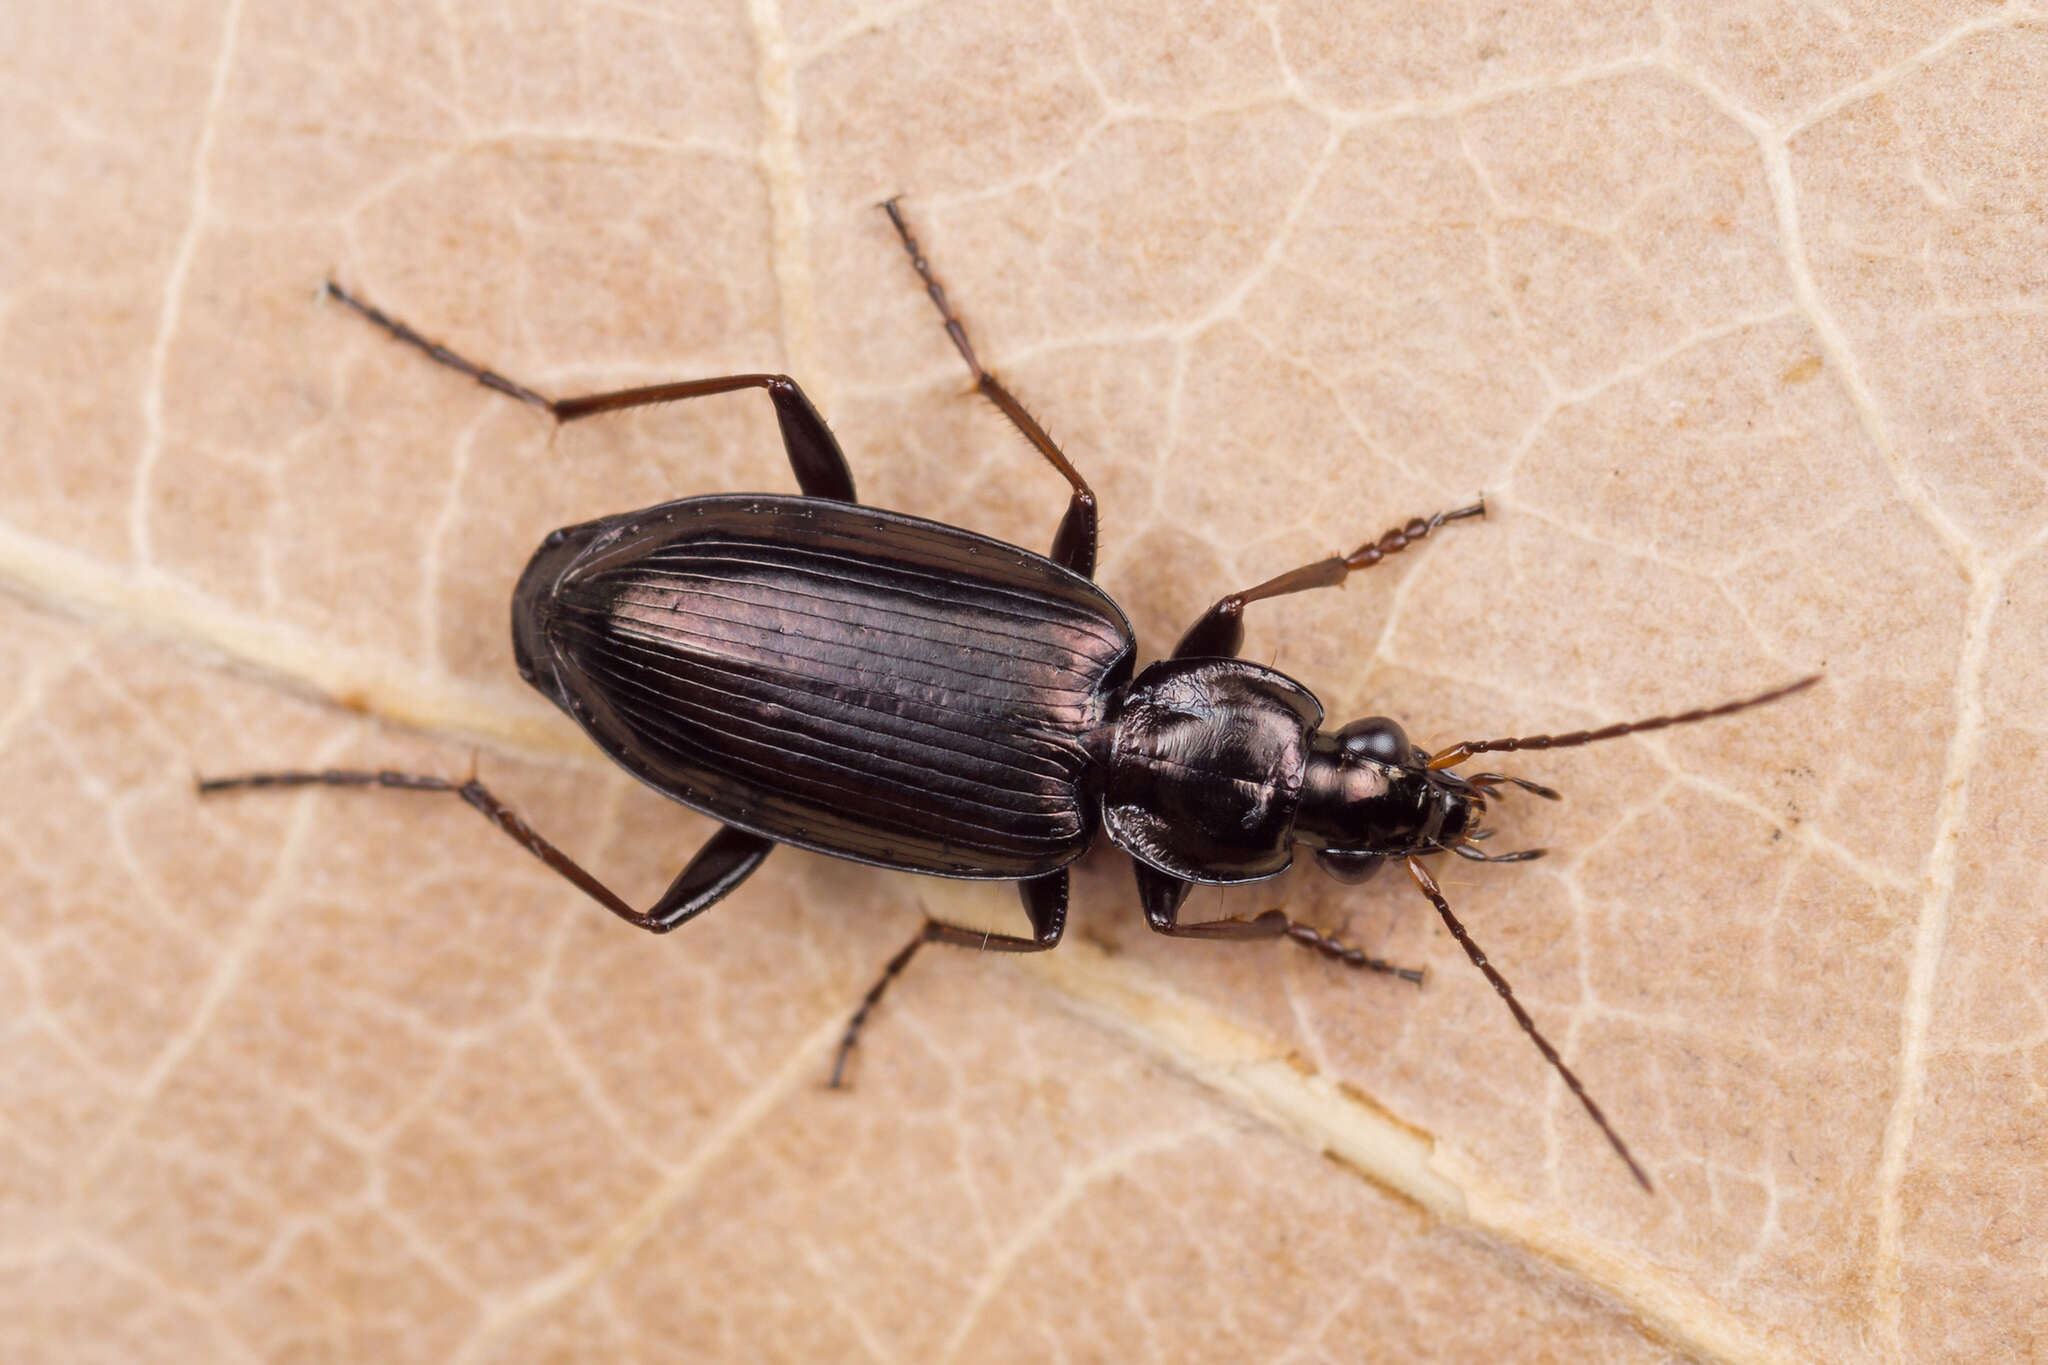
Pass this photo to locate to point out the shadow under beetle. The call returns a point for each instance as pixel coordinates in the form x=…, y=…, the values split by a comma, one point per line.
x=878, y=687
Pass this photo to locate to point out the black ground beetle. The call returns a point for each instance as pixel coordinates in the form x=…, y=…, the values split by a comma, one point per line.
x=809, y=671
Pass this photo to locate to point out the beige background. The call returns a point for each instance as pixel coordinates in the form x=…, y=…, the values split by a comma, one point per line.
x=1735, y=314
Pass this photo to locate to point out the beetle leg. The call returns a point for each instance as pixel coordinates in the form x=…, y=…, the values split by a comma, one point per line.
x=1219, y=633
x=728, y=858
x=820, y=467
x=1045, y=902
x=1073, y=545
x=1162, y=894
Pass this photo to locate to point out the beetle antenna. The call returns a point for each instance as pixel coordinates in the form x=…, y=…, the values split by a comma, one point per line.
x=1458, y=753
x=1427, y=885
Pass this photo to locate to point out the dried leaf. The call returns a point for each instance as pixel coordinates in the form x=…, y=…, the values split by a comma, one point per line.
x=1735, y=317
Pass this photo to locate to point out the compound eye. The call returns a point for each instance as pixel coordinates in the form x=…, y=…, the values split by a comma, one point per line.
x=1348, y=867
x=1376, y=738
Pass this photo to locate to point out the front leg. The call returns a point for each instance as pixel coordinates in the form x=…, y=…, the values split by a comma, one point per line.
x=1219, y=633
x=1162, y=895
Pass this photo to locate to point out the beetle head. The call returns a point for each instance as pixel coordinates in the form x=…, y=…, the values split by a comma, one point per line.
x=1368, y=794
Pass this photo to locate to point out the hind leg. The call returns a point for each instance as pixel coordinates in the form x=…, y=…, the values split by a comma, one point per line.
x=814, y=456
x=728, y=857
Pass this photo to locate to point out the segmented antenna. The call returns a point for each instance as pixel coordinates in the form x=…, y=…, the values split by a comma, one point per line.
x=1458, y=753
x=1427, y=885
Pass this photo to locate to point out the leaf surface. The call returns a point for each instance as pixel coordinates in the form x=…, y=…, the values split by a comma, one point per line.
x=1734, y=315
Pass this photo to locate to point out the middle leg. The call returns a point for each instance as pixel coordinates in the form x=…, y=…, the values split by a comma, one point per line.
x=1073, y=545
x=1045, y=904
